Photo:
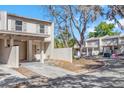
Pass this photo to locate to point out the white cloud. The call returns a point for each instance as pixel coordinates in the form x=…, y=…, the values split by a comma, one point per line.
x=122, y=21
x=116, y=25
x=108, y=21
x=90, y=29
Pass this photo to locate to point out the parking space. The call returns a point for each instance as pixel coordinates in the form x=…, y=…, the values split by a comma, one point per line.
x=47, y=70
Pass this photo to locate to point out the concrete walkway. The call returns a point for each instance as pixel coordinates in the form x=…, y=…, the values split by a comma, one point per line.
x=47, y=70
x=9, y=75
x=5, y=71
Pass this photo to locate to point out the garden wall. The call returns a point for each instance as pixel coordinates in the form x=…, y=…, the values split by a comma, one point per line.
x=62, y=54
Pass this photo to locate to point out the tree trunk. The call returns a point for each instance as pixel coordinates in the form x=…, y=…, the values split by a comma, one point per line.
x=81, y=49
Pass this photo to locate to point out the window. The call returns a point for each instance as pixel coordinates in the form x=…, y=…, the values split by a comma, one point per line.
x=42, y=28
x=18, y=25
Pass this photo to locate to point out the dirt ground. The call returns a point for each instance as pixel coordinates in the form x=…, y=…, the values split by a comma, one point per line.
x=77, y=65
x=26, y=72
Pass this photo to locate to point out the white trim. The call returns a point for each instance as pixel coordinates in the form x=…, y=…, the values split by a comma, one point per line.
x=23, y=33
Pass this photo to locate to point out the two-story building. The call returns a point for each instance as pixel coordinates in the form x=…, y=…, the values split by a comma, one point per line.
x=24, y=39
x=106, y=44
x=92, y=46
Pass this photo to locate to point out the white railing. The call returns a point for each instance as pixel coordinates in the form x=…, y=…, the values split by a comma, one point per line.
x=121, y=42
x=93, y=44
x=111, y=42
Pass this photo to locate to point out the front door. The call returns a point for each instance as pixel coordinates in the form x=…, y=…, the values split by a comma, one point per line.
x=23, y=51
x=36, y=52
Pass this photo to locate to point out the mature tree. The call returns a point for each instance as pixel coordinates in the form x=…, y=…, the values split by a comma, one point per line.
x=104, y=29
x=113, y=12
x=75, y=19
x=58, y=42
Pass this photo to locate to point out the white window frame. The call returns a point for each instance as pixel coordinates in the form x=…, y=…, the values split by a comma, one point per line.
x=42, y=28
x=17, y=25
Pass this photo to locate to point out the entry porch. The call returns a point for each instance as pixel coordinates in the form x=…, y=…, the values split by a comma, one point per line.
x=16, y=48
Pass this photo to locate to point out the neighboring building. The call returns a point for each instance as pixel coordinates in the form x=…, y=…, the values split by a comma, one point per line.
x=24, y=39
x=105, y=44
x=92, y=46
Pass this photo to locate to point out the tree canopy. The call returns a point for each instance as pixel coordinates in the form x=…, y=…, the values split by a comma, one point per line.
x=58, y=41
x=103, y=29
x=75, y=20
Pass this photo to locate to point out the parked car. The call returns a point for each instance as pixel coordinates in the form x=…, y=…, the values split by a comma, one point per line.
x=107, y=55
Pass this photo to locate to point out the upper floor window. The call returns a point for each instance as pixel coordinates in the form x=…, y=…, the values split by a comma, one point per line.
x=42, y=28
x=18, y=25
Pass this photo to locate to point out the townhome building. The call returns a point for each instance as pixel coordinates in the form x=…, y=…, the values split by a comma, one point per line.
x=92, y=46
x=106, y=44
x=24, y=39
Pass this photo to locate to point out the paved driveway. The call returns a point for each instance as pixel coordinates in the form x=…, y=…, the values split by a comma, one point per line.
x=47, y=70
x=109, y=76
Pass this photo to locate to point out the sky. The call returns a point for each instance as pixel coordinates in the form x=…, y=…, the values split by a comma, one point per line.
x=34, y=11
x=39, y=12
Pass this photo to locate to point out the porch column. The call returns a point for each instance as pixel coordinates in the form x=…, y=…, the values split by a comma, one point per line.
x=29, y=50
x=113, y=48
x=103, y=50
x=42, y=53
x=87, y=51
x=92, y=51
x=11, y=42
x=5, y=42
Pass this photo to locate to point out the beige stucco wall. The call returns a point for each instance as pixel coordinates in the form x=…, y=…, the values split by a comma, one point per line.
x=13, y=60
x=48, y=50
x=27, y=26
x=3, y=18
x=31, y=27
x=62, y=54
x=4, y=52
x=49, y=30
x=9, y=55
x=1, y=50
x=53, y=53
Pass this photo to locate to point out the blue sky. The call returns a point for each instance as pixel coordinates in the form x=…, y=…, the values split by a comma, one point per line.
x=34, y=11
x=37, y=11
